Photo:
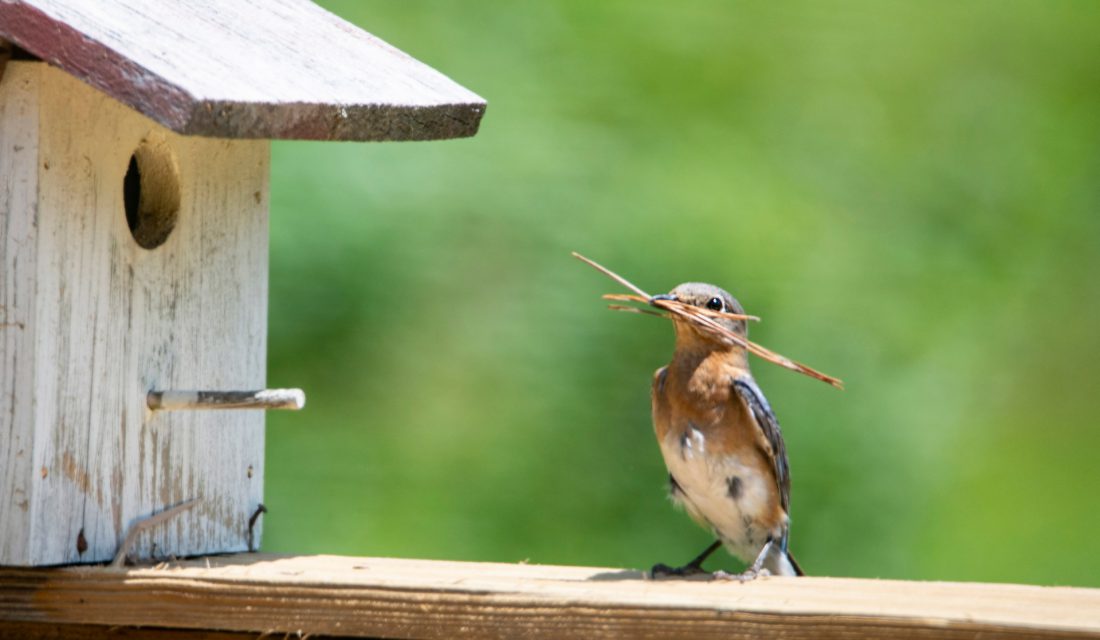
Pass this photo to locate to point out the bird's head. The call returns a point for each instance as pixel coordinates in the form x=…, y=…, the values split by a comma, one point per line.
x=705, y=296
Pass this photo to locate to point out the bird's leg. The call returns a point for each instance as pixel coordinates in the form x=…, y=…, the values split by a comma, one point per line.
x=695, y=567
x=755, y=571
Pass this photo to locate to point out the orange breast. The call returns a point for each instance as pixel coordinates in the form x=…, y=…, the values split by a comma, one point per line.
x=696, y=393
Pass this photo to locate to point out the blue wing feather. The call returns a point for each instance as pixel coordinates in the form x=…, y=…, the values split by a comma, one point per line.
x=754, y=398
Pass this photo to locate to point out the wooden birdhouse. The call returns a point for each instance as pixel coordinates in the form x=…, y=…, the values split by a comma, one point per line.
x=134, y=161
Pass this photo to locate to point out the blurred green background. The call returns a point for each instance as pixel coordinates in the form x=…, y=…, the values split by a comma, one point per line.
x=907, y=193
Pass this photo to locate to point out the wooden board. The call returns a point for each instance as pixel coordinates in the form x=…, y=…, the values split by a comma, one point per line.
x=92, y=322
x=389, y=598
x=244, y=69
x=18, y=257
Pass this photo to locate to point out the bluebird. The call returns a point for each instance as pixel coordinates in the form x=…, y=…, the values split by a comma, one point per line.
x=721, y=443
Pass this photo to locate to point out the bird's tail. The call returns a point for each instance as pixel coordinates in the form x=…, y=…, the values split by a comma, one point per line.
x=794, y=565
x=780, y=562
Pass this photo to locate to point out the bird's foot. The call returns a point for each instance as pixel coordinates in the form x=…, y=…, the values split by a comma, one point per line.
x=748, y=575
x=661, y=570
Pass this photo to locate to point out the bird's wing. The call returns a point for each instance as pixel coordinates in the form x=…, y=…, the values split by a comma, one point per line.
x=758, y=406
x=659, y=403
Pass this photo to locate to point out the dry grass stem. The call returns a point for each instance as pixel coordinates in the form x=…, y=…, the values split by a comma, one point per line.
x=152, y=521
x=703, y=319
x=626, y=297
x=620, y=307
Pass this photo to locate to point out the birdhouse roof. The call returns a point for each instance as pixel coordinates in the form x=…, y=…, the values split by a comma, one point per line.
x=244, y=68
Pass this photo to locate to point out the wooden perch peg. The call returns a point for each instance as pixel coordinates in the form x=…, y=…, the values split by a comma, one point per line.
x=174, y=400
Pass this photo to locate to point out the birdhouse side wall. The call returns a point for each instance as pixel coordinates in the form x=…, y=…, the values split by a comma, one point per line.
x=112, y=320
x=18, y=212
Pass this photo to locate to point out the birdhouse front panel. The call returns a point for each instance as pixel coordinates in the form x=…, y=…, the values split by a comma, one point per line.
x=131, y=259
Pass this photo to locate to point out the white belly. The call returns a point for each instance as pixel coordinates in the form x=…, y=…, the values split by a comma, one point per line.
x=735, y=515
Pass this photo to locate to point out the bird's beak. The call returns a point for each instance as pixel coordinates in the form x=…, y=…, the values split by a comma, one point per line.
x=663, y=296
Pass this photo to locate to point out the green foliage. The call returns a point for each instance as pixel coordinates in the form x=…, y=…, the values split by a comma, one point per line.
x=906, y=193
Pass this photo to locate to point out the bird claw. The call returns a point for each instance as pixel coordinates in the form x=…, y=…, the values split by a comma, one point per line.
x=661, y=570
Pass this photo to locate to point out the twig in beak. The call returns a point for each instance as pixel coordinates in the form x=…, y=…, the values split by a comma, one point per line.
x=668, y=303
x=623, y=307
x=611, y=274
x=704, y=319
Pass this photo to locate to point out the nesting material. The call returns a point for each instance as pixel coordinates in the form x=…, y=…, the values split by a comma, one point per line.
x=704, y=319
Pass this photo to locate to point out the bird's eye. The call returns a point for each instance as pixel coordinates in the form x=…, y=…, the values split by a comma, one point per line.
x=714, y=304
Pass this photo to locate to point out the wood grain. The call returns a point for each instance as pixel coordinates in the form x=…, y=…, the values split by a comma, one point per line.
x=94, y=322
x=18, y=256
x=389, y=598
x=244, y=69
x=38, y=631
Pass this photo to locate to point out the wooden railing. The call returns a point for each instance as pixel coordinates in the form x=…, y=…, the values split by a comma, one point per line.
x=249, y=595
